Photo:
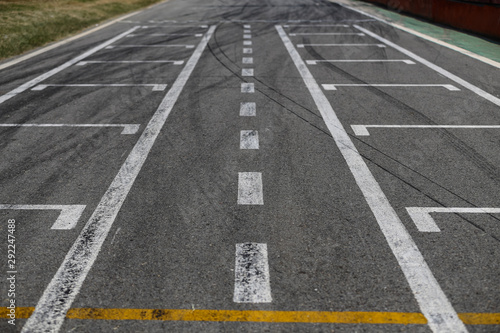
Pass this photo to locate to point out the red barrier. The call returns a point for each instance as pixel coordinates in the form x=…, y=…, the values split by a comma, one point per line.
x=478, y=16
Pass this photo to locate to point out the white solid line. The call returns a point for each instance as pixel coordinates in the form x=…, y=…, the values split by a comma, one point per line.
x=127, y=128
x=158, y=35
x=168, y=26
x=425, y=223
x=325, y=34
x=247, y=36
x=247, y=42
x=251, y=274
x=314, y=26
x=431, y=39
x=433, y=302
x=247, y=50
x=57, y=298
x=247, y=31
x=67, y=64
x=342, y=45
x=175, y=62
x=247, y=72
x=248, y=109
x=362, y=130
x=315, y=62
x=247, y=60
x=247, y=88
x=250, y=188
x=156, y=87
x=438, y=69
x=249, y=139
x=68, y=218
x=333, y=86
x=187, y=46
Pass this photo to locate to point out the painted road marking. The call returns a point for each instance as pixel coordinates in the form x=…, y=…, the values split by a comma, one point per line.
x=175, y=62
x=247, y=31
x=127, y=128
x=187, y=46
x=249, y=139
x=68, y=218
x=347, y=317
x=247, y=42
x=67, y=282
x=67, y=64
x=314, y=26
x=247, y=26
x=426, y=290
x=250, y=188
x=247, y=60
x=422, y=218
x=247, y=88
x=362, y=130
x=158, y=35
x=471, y=87
x=334, y=86
x=247, y=72
x=168, y=26
x=326, y=34
x=247, y=50
x=156, y=87
x=247, y=36
x=343, y=45
x=315, y=62
x=248, y=109
x=251, y=274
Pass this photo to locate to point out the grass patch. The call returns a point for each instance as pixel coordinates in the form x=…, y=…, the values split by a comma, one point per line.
x=27, y=24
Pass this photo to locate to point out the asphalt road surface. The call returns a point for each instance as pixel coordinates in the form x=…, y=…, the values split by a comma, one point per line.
x=258, y=166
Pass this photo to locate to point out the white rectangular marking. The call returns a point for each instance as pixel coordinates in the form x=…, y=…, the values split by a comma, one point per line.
x=471, y=87
x=247, y=88
x=326, y=34
x=247, y=36
x=251, y=274
x=68, y=218
x=159, y=35
x=334, y=86
x=247, y=42
x=362, y=130
x=247, y=72
x=247, y=26
x=249, y=139
x=318, y=25
x=156, y=87
x=247, y=31
x=406, y=61
x=434, y=304
x=247, y=50
x=247, y=60
x=250, y=188
x=67, y=64
x=248, y=109
x=57, y=298
x=425, y=223
x=187, y=46
x=340, y=45
x=127, y=128
x=175, y=62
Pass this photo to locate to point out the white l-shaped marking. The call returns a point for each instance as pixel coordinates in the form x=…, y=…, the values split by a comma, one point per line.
x=70, y=214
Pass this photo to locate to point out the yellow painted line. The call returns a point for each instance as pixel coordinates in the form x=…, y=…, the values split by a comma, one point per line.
x=403, y=318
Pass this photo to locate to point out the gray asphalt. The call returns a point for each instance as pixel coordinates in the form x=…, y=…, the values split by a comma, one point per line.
x=172, y=245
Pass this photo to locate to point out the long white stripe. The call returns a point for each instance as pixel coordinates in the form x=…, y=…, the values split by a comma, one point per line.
x=156, y=87
x=425, y=223
x=314, y=26
x=325, y=34
x=438, y=69
x=342, y=45
x=127, y=128
x=175, y=62
x=69, y=216
x=187, y=46
x=362, y=130
x=432, y=301
x=65, y=285
x=248, y=109
x=333, y=86
x=250, y=188
x=67, y=64
x=315, y=62
x=249, y=139
x=252, y=283
x=158, y=35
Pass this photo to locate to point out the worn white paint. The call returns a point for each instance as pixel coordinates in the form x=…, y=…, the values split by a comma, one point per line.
x=252, y=282
x=247, y=42
x=57, y=298
x=326, y=34
x=462, y=82
x=187, y=46
x=247, y=88
x=247, y=36
x=127, y=128
x=163, y=35
x=58, y=69
x=247, y=50
x=247, y=72
x=425, y=223
x=334, y=86
x=341, y=45
x=315, y=62
x=315, y=25
x=250, y=190
x=68, y=218
x=249, y=139
x=248, y=109
x=247, y=60
x=433, y=302
x=156, y=87
x=247, y=31
x=175, y=62
x=362, y=130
